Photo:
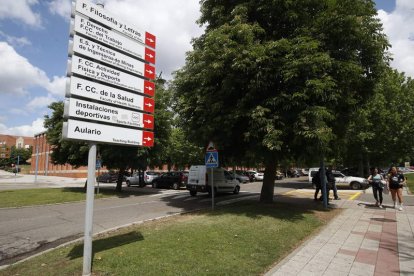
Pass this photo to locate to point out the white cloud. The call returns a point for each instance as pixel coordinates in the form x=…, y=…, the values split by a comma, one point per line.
x=18, y=74
x=61, y=7
x=15, y=41
x=24, y=130
x=20, y=10
x=57, y=86
x=398, y=27
x=40, y=102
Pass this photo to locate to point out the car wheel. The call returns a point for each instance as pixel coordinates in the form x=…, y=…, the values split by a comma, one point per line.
x=355, y=185
x=175, y=186
x=236, y=190
x=193, y=192
x=128, y=183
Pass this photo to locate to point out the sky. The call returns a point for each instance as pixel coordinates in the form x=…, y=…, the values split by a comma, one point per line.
x=34, y=37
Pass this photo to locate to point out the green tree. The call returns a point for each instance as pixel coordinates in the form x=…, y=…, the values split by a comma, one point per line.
x=183, y=153
x=379, y=133
x=22, y=153
x=273, y=78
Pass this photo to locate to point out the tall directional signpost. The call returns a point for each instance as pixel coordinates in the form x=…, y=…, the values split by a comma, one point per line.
x=211, y=161
x=109, y=90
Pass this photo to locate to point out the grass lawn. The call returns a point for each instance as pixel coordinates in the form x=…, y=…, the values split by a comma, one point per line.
x=30, y=197
x=243, y=239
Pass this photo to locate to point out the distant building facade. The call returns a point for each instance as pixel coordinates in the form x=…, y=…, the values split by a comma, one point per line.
x=8, y=141
x=42, y=162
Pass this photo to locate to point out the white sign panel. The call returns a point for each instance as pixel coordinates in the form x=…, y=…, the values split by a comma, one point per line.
x=94, y=70
x=98, y=52
x=86, y=131
x=105, y=35
x=103, y=16
x=106, y=113
x=108, y=94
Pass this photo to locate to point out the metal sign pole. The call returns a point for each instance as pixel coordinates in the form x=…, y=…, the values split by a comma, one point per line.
x=37, y=161
x=87, y=245
x=212, y=189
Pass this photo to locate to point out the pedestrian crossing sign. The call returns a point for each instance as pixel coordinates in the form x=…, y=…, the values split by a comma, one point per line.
x=211, y=159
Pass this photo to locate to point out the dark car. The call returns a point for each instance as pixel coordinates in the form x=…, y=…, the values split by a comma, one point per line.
x=174, y=180
x=107, y=177
x=250, y=175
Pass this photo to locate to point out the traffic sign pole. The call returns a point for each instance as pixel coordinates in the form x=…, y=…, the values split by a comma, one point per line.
x=87, y=243
x=212, y=189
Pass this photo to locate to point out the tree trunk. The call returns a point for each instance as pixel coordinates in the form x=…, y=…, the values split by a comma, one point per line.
x=268, y=186
x=120, y=179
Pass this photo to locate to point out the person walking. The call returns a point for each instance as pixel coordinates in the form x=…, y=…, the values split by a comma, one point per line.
x=331, y=183
x=316, y=181
x=375, y=179
x=395, y=183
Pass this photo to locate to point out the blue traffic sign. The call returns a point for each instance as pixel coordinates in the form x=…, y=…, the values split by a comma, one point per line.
x=98, y=164
x=211, y=159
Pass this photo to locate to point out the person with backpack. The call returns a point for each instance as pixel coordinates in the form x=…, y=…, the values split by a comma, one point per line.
x=375, y=179
x=317, y=183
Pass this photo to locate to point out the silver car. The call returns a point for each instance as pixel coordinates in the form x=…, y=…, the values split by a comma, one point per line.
x=148, y=179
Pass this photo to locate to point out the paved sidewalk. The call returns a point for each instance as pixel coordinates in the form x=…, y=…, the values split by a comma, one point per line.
x=362, y=240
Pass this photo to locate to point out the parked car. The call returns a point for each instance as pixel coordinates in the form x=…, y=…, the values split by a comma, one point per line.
x=279, y=175
x=343, y=181
x=107, y=177
x=250, y=175
x=352, y=182
x=135, y=179
x=175, y=180
x=350, y=171
x=149, y=176
x=241, y=178
x=258, y=176
x=292, y=173
x=304, y=172
x=198, y=180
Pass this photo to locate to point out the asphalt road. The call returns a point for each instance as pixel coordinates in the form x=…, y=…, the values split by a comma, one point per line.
x=29, y=230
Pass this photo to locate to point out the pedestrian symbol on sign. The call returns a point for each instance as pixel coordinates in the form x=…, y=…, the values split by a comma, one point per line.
x=211, y=159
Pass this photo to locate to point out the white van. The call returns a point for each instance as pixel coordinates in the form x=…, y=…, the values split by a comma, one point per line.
x=199, y=180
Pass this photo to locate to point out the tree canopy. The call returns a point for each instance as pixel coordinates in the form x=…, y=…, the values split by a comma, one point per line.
x=279, y=78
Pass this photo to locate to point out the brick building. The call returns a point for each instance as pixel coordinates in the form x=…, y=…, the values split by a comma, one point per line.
x=41, y=155
x=42, y=161
x=8, y=141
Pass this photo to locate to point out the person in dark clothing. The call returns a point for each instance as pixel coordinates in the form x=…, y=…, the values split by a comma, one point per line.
x=395, y=183
x=375, y=179
x=316, y=181
x=331, y=183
